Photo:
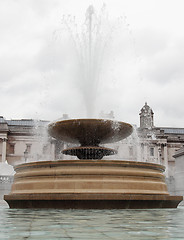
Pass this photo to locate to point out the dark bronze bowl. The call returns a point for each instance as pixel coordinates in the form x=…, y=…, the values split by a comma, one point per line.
x=93, y=152
x=89, y=132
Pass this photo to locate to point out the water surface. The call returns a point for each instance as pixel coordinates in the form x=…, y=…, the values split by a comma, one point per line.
x=52, y=224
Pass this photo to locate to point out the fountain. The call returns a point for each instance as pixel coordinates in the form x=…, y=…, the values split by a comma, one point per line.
x=90, y=133
x=90, y=182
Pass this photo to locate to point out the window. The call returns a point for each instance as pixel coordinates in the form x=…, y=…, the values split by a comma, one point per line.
x=152, y=151
x=12, y=148
x=28, y=148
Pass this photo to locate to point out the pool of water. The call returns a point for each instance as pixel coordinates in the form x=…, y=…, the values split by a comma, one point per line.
x=91, y=224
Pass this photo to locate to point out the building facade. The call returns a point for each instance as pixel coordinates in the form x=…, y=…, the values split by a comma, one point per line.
x=159, y=144
x=150, y=143
x=24, y=140
x=179, y=172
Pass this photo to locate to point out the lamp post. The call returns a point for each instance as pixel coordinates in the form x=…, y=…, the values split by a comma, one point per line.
x=25, y=155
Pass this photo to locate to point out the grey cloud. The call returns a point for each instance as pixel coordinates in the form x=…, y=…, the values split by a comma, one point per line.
x=150, y=42
x=39, y=76
x=166, y=66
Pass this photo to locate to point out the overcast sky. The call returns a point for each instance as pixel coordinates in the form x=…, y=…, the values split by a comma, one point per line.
x=145, y=60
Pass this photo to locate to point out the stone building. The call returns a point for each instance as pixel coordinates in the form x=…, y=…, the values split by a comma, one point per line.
x=179, y=172
x=150, y=143
x=24, y=140
x=158, y=144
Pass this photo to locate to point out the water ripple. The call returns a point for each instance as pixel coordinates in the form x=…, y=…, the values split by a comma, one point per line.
x=49, y=224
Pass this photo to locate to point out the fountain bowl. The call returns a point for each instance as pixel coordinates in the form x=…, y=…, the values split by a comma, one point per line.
x=89, y=132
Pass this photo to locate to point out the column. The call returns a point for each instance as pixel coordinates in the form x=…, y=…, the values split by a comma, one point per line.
x=4, y=150
x=138, y=157
x=145, y=153
x=142, y=152
x=159, y=154
x=166, y=160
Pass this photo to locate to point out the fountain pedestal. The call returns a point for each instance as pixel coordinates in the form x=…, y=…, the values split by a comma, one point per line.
x=90, y=183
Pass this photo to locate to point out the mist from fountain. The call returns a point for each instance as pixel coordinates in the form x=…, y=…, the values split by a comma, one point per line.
x=42, y=149
x=91, y=42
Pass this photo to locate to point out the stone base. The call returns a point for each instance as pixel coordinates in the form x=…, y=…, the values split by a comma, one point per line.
x=92, y=201
x=90, y=184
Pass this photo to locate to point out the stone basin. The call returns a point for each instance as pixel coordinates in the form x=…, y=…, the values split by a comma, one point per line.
x=85, y=184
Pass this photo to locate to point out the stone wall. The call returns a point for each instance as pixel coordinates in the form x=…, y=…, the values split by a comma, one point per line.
x=179, y=171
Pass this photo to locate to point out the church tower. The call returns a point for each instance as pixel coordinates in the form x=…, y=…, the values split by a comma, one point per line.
x=146, y=117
